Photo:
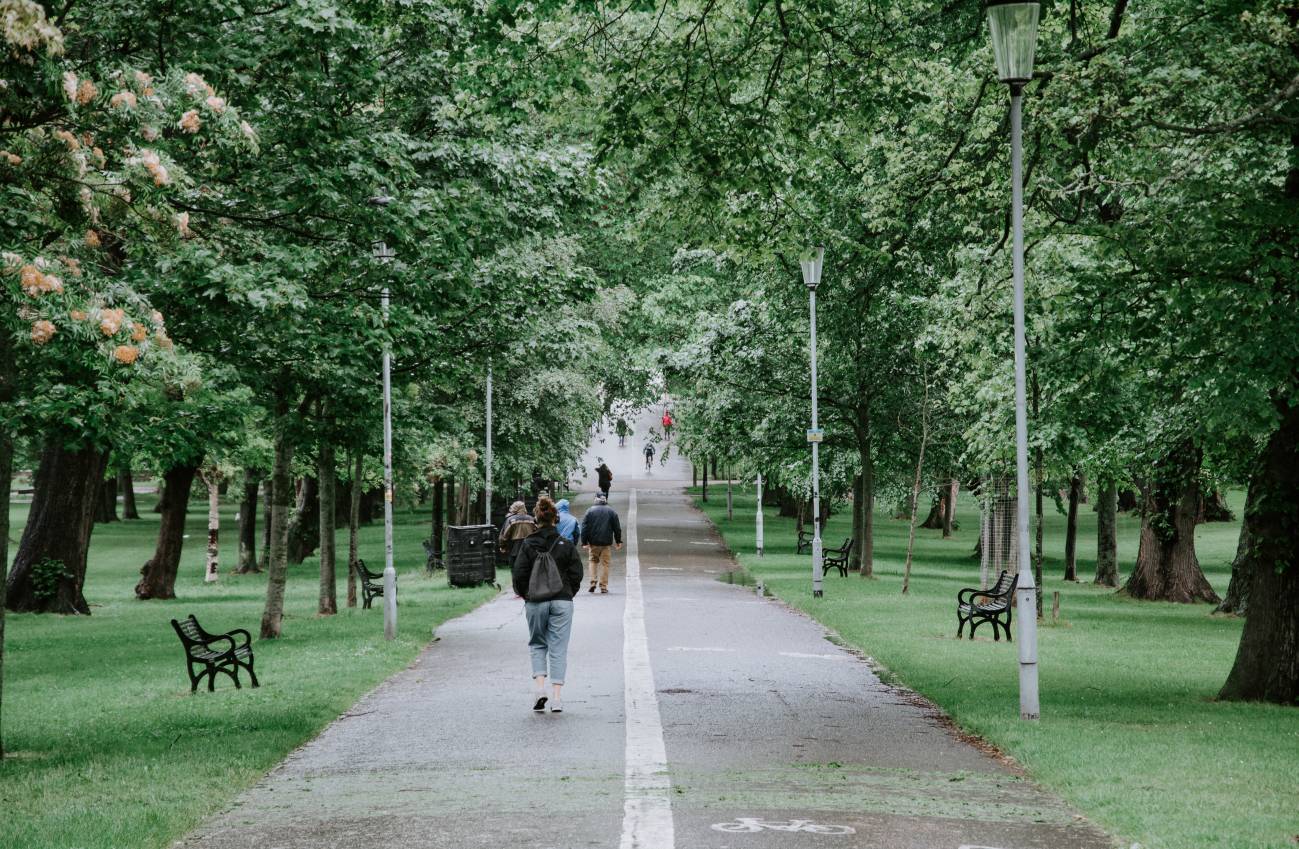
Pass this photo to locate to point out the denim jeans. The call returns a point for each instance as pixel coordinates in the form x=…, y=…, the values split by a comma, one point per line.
x=549, y=623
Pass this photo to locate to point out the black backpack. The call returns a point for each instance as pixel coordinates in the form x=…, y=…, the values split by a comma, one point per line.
x=545, y=583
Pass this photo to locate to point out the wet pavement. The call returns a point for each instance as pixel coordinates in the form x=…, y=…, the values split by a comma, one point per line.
x=749, y=729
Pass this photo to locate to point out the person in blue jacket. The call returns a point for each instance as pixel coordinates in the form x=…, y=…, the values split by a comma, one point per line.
x=568, y=526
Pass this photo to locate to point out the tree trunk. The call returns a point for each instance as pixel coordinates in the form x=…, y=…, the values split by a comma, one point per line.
x=867, y=508
x=158, y=575
x=49, y=570
x=936, y=519
x=212, y=478
x=1038, y=553
x=1237, y=599
x=107, y=509
x=264, y=560
x=127, y=485
x=1071, y=528
x=1267, y=662
x=694, y=476
x=354, y=529
x=1127, y=500
x=436, y=522
x=328, y=477
x=949, y=511
x=158, y=493
x=915, y=494
x=730, y=502
x=858, y=531
x=1167, y=568
x=280, y=496
x=451, y=501
x=304, y=526
x=1107, y=541
x=1213, y=508
x=6, y=480
x=247, y=559
x=704, y=496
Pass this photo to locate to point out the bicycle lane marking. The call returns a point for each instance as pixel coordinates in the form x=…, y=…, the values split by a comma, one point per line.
x=647, y=809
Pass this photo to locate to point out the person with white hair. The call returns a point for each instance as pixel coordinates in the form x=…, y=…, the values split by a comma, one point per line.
x=601, y=531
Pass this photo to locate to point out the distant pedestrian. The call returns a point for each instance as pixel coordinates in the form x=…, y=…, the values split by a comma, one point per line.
x=550, y=619
x=600, y=531
x=667, y=425
x=604, y=477
x=567, y=525
x=649, y=455
x=518, y=527
x=622, y=429
x=539, y=484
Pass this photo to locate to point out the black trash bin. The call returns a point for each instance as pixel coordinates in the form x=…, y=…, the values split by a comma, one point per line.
x=471, y=555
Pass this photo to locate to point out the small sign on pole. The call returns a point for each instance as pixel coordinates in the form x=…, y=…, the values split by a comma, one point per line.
x=815, y=434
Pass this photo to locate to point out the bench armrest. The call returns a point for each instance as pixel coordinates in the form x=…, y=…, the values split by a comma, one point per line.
x=248, y=638
x=972, y=591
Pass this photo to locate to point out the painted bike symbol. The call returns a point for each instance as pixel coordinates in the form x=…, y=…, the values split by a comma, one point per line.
x=750, y=825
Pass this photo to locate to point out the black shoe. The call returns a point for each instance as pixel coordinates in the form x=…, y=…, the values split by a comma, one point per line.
x=592, y=589
x=540, y=705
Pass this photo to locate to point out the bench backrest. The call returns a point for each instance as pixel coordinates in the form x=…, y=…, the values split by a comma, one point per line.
x=189, y=631
x=365, y=573
x=1005, y=584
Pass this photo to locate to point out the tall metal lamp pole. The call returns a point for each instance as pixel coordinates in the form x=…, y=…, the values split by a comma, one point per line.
x=1014, y=39
x=384, y=255
x=811, y=264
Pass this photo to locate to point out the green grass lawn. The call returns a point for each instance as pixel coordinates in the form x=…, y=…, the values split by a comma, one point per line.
x=1130, y=732
x=110, y=750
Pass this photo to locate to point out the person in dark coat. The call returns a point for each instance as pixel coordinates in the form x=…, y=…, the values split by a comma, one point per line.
x=518, y=527
x=549, y=622
x=600, y=531
x=604, y=477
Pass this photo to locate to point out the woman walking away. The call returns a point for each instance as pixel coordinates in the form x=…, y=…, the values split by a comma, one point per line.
x=547, y=572
x=518, y=527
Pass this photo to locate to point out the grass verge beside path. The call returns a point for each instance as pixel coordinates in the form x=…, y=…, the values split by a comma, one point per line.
x=1130, y=733
x=110, y=750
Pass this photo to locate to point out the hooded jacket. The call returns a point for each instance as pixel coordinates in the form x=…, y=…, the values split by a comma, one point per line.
x=567, y=525
x=566, y=558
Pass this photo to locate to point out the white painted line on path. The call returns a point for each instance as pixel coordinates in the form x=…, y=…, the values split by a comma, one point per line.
x=667, y=568
x=697, y=542
x=647, y=808
x=656, y=539
x=815, y=656
x=697, y=648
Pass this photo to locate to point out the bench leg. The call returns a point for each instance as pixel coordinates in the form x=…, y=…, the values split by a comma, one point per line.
x=251, y=674
x=960, y=626
x=974, y=626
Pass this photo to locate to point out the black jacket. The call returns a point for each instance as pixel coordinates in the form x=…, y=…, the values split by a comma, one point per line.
x=566, y=558
x=603, y=476
x=600, y=526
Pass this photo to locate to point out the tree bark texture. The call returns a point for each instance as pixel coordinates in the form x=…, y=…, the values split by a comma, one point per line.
x=107, y=510
x=867, y=506
x=158, y=492
x=126, y=484
x=354, y=528
x=280, y=498
x=304, y=525
x=1267, y=662
x=1071, y=528
x=936, y=520
x=949, y=514
x=858, y=531
x=1107, y=540
x=247, y=558
x=6, y=479
x=436, y=521
x=212, y=568
x=704, y=496
x=264, y=559
x=1236, y=601
x=1167, y=568
x=328, y=477
x=158, y=575
x=49, y=569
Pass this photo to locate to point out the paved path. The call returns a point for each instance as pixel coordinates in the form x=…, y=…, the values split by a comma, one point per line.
x=697, y=715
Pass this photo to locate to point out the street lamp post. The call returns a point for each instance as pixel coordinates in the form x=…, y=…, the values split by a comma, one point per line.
x=811, y=264
x=384, y=255
x=487, y=520
x=1014, y=39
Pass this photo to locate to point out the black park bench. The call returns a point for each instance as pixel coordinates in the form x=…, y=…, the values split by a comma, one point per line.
x=804, y=542
x=976, y=606
x=214, y=653
x=837, y=558
x=371, y=584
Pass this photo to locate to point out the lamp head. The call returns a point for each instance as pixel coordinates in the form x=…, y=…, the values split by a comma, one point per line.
x=1013, y=24
x=383, y=253
x=811, y=262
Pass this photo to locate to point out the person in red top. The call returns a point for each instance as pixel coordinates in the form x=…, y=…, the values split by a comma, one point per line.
x=667, y=424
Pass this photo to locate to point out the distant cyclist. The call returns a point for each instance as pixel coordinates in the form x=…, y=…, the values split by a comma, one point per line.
x=649, y=455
